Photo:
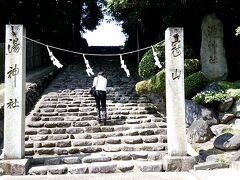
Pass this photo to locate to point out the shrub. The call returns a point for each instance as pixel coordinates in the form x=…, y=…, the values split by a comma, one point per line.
x=156, y=84
x=209, y=98
x=194, y=83
x=213, y=98
x=235, y=93
x=188, y=52
x=142, y=87
x=229, y=85
x=147, y=68
x=191, y=66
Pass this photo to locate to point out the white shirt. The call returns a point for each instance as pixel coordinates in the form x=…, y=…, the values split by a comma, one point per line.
x=100, y=83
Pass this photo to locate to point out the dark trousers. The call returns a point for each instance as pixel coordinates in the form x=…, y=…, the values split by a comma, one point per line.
x=101, y=100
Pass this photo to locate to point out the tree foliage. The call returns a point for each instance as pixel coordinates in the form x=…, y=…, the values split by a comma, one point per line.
x=152, y=17
x=57, y=21
x=147, y=20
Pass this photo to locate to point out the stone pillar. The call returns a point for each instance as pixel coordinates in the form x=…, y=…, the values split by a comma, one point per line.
x=175, y=97
x=177, y=159
x=14, y=98
x=1, y=60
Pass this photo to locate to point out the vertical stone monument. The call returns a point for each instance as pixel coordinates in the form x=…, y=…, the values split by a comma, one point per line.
x=14, y=92
x=175, y=98
x=177, y=159
x=213, y=58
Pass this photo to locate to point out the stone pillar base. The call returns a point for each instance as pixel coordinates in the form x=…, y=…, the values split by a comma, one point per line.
x=178, y=163
x=15, y=167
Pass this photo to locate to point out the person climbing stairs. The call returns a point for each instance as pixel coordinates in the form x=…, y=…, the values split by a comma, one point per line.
x=63, y=135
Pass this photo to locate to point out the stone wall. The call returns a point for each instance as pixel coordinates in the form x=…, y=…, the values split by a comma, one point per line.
x=33, y=56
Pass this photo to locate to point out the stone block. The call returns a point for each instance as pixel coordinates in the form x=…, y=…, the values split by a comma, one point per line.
x=63, y=144
x=125, y=157
x=57, y=170
x=150, y=139
x=236, y=107
x=235, y=157
x=235, y=165
x=52, y=161
x=78, y=169
x=133, y=140
x=103, y=168
x=113, y=140
x=71, y=160
x=15, y=167
x=151, y=166
x=37, y=171
x=126, y=167
x=139, y=155
x=178, y=163
x=209, y=166
x=98, y=142
x=96, y=158
x=90, y=149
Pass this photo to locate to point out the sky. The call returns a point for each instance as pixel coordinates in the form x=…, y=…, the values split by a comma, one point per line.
x=106, y=34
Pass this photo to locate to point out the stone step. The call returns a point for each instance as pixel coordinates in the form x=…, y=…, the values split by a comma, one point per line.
x=74, y=112
x=110, y=90
x=110, y=102
x=97, y=157
x=93, y=125
x=65, y=147
x=90, y=110
x=64, y=122
x=68, y=127
x=48, y=118
x=85, y=93
x=129, y=137
x=111, y=107
x=82, y=104
x=92, y=139
x=98, y=167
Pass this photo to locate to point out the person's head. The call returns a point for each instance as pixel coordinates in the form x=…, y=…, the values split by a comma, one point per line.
x=101, y=73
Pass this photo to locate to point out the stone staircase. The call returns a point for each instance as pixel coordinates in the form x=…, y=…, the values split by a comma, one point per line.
x=64, y=137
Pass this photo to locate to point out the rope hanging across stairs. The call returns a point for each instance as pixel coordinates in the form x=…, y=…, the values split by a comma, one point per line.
x=89, y=70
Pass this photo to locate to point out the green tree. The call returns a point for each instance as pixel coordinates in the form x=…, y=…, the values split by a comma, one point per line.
x=151, y=18
x=58, y=22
